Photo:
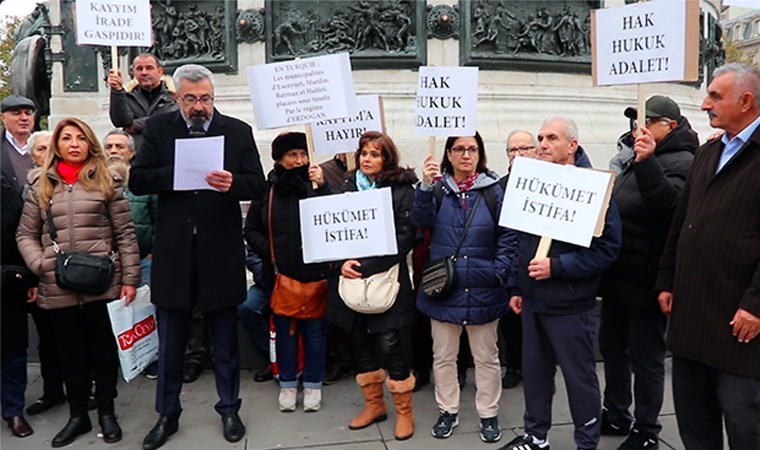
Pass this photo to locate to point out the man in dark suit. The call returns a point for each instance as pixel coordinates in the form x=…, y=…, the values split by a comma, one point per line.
x=710, y=274
x=18, y=121
x=198, y=255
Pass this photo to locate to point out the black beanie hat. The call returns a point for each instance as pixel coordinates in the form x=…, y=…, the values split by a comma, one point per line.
x=287, y=141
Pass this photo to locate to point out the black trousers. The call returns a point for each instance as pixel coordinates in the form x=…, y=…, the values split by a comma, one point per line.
x=632, y=342
x=50, y=358
x=367, y=346
x=705, y=398
x=510, y=327
x=88, y=352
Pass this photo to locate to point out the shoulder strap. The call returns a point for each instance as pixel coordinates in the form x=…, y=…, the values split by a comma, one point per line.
x=438, y=194
x=466, y=227
x=490, y=197
x=269, y=223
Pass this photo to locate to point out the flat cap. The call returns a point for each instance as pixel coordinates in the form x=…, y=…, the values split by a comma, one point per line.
x=16, y=102
x=657, y=106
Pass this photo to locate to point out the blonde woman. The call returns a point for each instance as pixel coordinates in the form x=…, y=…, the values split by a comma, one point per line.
x=86, y=203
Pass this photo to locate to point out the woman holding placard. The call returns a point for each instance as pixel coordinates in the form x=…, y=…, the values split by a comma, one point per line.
x=76, y=206
x=299, y=297
x=463, y=282
x=376, y=328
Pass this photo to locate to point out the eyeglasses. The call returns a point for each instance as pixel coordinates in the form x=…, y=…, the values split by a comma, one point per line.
x=192, y=100
x=459, y=150
x=653, y=120
x=521, y=150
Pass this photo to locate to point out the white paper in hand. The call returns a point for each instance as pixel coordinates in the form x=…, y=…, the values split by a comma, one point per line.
x=194, y=159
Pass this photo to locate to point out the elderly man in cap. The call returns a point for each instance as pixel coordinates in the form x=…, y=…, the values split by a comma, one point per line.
x=18, y=283
x=632, y=332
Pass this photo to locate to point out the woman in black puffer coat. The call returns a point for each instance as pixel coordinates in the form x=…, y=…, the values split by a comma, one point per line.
x=377, y=162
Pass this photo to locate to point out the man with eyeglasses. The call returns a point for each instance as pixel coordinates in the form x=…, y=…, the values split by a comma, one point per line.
x=144, y=96
x=632, y=332
x=198, y=253
x=519, y=143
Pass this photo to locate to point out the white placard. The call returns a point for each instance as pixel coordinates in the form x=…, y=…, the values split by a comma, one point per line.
x=645, y=43
x=559, y=201
x=447, y=101
x=342, y=135
x=116, y=23
x=302, y=91
x=194, y=158
x=345, y=226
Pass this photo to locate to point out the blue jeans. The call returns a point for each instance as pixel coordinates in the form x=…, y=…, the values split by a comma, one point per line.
x=253, y=314
x=314, y=334
x=13, y=384
x=145, y=265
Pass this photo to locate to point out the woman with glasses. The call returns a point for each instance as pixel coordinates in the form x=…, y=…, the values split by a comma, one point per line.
x=477, y=300
x=376, y=337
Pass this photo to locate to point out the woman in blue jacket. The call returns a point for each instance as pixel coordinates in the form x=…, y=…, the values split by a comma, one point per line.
x=483, y=262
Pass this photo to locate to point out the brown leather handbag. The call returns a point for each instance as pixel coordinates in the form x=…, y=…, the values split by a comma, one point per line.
x=290, y=297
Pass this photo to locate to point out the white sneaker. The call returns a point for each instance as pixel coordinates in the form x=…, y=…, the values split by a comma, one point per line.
x=287, y=399
x=312, y=399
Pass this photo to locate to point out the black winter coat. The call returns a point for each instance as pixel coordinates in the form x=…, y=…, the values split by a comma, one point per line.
x=402, y=313
x=209, y=218
x=290, y=186
x=646, y=194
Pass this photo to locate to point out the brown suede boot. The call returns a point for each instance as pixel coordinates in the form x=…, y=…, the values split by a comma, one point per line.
x=402, y=398
x=371, y=384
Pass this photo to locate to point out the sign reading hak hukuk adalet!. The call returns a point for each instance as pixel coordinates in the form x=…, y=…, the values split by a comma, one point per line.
x=447, y=101
x=346, y=226
x=302, y=91
x=116, y=23
x=342, y=135
x=559, y=201
x=645, y=42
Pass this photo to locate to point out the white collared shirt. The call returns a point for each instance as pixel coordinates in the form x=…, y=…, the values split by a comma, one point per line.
x=21, y=149
x=733, y=145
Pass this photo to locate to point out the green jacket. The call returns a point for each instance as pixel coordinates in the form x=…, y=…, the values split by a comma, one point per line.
x=143, y=208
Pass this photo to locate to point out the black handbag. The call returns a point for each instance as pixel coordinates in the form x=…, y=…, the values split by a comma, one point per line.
x=80, y=271
x=439, y=276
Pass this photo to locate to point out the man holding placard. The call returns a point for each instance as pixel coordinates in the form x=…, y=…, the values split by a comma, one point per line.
x=556, y=295
x=147, y=95
x=710, y=274
x=632, y=331
x=198, y=253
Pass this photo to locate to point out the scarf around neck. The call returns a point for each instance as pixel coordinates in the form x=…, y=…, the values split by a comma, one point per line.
x=69, y=173
x=363, y=183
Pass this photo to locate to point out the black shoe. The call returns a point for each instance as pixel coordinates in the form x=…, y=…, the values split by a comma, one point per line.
x=165, y=427
x=445, y=425
x=525, y=443
x=43, y=404
x=511, y=378
x=336, y=371
x=75, y=427
x=611, y=429
x=233, y=427
x=191, y=372
x=151, y=371
x=421, y=379
x=640, y=441
x=263, y=374
x=110, y=428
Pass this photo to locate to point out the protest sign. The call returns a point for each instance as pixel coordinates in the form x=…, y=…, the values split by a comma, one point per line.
x=351, y=225
x=645, y=43
x=447, y=101
x=342, y=135
x=302, y=91
x=114, y=23
x=562, y=202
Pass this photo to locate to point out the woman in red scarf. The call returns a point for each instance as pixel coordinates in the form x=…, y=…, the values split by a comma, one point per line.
x=90, y=213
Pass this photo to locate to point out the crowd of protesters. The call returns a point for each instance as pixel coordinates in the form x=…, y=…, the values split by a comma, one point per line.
x=679, y=249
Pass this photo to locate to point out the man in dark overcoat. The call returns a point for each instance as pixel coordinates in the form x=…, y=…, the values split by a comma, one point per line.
x=198, y=252
x=710, y=274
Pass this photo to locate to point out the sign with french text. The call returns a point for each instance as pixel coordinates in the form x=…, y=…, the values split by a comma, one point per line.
x=559, y=201
x=447, y=101
x=346, y=226
x=302, y=91
x=342, y=135
x=646, y=42
x=114, y=23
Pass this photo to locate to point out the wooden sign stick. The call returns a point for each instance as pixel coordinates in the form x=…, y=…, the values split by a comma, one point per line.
x=310, y=149
x=543, y=247
x=115, y=58
x=641, y=108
